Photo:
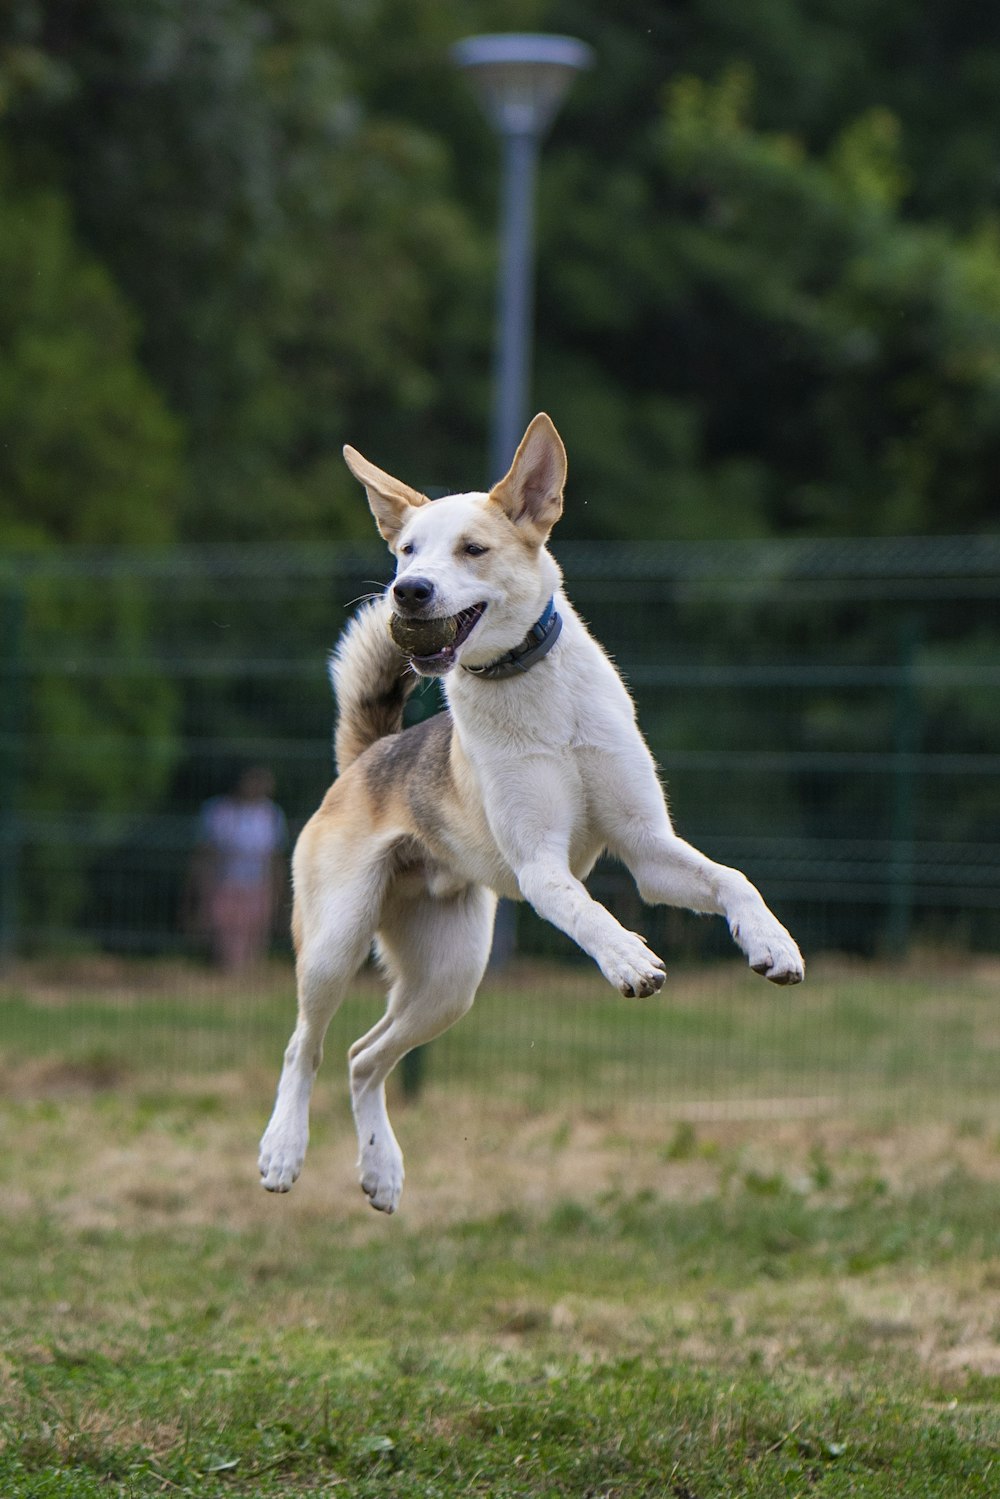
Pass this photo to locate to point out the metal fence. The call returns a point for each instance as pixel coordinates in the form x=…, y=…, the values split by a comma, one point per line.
x=827, y=715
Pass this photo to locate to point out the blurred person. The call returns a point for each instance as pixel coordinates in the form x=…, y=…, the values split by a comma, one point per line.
x=238, y=869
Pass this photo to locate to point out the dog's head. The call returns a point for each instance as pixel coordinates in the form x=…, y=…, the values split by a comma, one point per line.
x=473, y=574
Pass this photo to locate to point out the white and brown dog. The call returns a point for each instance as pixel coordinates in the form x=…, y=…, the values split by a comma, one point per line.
x=536, y=768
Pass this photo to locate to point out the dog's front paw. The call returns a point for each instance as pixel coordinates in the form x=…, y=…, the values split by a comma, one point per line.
x=281, y=1155
x=776, y=957
x=381, y=1171
x=632, y=968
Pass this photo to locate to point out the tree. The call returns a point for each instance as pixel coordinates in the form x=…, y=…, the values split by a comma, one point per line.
x=88, y=453
x=299, y=199
x=767, y=336
x=296, y=256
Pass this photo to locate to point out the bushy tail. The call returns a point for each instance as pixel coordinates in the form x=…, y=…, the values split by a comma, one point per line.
x=371, y=680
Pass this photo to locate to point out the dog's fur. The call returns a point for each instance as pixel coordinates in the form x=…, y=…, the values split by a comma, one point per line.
x=515, y=791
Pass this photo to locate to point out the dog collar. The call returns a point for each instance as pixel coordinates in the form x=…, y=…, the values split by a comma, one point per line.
x=537, y=643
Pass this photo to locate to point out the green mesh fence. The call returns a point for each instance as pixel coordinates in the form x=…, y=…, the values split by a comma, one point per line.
x=826, y=713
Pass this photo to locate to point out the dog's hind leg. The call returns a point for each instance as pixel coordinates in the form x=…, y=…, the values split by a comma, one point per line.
x=335, y=928
x=435, y=952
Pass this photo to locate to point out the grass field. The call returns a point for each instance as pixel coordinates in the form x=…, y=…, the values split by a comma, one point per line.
x=731, y=1241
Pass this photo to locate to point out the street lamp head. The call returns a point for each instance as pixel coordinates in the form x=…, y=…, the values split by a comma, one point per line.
x=521, y=78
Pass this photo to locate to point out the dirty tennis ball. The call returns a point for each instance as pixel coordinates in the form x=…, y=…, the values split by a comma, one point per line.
x=422, y=637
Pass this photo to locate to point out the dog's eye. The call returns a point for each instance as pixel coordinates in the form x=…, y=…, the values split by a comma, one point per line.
x=473, y=549
x=406, y=550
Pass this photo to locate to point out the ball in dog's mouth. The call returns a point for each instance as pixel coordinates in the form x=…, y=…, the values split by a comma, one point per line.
x=432, y=644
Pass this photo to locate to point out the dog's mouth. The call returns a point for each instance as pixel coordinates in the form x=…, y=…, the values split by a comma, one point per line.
x=433, y=644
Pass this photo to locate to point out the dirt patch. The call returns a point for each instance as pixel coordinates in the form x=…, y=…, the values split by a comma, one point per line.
x=190, y=1157
x=99, y=1148
x=60, y=1077
x=58, y=982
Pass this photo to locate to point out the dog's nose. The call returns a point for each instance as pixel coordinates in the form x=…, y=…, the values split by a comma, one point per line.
x=413, y=593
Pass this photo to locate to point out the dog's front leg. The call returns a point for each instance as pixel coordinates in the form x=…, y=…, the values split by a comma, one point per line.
x=533, y=806
x=670, y=872
x=622, y=956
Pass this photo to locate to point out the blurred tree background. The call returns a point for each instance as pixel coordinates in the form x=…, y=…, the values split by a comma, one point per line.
x=769, y=264
x=235, y=235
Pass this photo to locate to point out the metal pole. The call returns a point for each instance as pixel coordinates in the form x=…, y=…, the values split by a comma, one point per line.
x=515, y=307
x=902, y=811
x=521, y=79
x=515, y=298
x=11, y=716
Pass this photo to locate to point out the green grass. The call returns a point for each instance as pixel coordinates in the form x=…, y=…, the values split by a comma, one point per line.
x=731, y=1243
x=856, y=1036
x=413, y=1424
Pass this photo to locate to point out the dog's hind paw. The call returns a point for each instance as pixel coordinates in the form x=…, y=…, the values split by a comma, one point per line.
x=381, y=1173
x=280, y=1163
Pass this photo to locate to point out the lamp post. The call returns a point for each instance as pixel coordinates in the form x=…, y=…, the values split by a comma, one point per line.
x=12, y=685
x=520, y=80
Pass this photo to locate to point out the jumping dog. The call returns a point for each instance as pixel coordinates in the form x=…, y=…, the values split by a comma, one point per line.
x=536, y=768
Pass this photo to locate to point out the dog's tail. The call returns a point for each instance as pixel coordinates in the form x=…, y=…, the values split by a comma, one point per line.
x=371, y=680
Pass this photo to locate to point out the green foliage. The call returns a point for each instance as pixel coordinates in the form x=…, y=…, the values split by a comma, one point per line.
x=85, y=738
x=832, y=365
x=88, y=453
x=296, y=255
x=890, y=329
x=742, y=328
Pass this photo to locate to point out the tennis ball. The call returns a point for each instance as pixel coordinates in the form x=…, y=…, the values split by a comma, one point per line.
x=422, y=637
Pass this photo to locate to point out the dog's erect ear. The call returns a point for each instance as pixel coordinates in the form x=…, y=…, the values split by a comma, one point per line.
x=390, y=499
x=531, y=493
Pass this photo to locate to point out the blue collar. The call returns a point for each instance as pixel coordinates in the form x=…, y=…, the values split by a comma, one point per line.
x=537, y=643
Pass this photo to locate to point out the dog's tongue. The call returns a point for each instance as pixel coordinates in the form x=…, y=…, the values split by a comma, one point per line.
x=440, y=661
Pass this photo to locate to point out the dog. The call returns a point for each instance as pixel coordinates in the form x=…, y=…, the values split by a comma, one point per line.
x=536, y=768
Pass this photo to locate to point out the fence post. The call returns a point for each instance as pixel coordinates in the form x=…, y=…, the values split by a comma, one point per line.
x=906, y=728
x=11, y=728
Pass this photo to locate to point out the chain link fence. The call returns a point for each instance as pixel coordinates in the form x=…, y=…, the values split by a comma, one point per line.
x=826, y=713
